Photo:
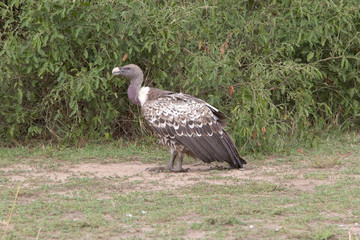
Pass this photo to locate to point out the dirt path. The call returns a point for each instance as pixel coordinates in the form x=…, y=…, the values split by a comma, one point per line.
x=102, y=180
x=146, y=180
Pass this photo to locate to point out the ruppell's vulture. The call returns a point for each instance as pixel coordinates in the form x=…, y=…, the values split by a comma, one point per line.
x=186, y=124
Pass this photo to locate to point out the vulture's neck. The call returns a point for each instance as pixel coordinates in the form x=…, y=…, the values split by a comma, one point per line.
x=133, y=90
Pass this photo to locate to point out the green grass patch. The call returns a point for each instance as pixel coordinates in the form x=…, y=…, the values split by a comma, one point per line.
x=277, y=197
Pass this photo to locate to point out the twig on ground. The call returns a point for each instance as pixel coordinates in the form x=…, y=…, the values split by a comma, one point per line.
x=11, y=212
x=38, y=234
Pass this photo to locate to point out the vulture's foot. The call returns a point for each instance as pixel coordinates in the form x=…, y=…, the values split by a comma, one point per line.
x=158, y=169
x=179, y=170
x=167, y=169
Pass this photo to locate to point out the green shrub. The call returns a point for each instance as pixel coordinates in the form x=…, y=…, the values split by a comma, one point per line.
x=280, y=70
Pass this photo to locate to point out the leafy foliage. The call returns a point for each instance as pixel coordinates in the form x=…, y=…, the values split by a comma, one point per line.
x=279, y=69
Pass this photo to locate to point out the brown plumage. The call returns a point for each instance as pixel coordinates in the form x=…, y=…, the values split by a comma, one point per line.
x=186, y=124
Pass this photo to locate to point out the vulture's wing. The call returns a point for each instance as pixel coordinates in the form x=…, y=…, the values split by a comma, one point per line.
x=194, y=124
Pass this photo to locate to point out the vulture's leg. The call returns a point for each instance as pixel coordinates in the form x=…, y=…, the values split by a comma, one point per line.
x=179, y=164
x=169, y=167
x=173, y=155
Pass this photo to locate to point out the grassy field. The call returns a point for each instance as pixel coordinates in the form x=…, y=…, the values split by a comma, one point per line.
x=104, y=192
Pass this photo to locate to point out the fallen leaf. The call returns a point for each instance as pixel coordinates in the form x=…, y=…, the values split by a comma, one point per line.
x=222, y=51
x=263, y=130
x=125, y=57
x=226, y=44
x=329, y=80
x=207, y=50
x=231, y=90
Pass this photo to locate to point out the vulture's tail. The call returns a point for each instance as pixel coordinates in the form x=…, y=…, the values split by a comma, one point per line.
x=236, y=161
x=217, y=147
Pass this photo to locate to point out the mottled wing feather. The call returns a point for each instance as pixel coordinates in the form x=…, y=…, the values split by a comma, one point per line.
x=187, y=123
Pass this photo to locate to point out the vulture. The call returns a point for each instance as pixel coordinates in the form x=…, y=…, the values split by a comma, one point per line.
x=188, y=125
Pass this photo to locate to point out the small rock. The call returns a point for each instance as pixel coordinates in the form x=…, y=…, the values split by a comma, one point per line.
x=143, y=212
x=129, y=215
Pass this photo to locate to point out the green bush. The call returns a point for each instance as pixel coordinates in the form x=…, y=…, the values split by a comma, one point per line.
x=280, y=70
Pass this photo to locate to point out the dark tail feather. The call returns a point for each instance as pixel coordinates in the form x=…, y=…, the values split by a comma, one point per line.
x=196, y=148
x=213, y=148
x=237, y=161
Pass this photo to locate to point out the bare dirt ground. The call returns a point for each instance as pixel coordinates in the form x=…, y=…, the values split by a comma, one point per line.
x=136, y=171
x=132, y=176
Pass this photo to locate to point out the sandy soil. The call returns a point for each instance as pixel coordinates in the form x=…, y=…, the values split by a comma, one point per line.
x=133, y=176
x=147, y=180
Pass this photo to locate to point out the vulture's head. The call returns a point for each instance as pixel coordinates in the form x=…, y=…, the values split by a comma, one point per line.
x=130, y=71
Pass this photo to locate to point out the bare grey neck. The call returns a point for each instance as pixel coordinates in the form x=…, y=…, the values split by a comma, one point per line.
x=133, y=90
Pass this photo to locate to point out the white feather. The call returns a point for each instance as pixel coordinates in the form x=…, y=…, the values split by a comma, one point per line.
x=211, y=107
x=143, y=94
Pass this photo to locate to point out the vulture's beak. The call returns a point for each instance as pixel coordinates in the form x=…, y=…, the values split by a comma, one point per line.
x=116, y=71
